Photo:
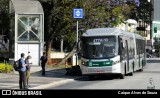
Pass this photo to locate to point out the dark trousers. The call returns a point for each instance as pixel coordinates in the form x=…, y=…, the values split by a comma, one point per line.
x=22, y=80
x=43, y=69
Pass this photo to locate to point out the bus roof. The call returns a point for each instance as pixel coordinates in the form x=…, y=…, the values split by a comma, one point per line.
x=108, y=31
x=104, y=31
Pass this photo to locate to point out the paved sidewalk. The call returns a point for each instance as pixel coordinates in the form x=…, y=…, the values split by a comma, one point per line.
x=53, y=77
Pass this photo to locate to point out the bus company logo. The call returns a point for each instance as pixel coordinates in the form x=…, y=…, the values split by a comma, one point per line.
x=6, y=92
x=151, y=84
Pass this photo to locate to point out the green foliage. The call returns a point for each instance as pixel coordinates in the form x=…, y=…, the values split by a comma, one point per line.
x=5, y=68
x=4, y=17
x=59, y=22
x=143, y=11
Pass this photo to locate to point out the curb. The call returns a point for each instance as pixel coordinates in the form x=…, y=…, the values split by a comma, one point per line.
x=53, y=84
x=6, y=76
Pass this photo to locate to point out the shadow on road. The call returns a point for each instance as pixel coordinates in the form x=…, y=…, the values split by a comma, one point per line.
x=153, y=61
x=148, y=71
x=98, y=78
x=54, y=73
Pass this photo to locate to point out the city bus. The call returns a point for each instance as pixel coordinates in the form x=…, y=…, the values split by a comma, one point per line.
x=111, y=51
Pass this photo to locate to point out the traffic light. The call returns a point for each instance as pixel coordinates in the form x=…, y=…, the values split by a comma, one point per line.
x=155, y=29
x=141, y=29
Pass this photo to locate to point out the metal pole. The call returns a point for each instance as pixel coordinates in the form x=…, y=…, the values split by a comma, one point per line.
x=77, y=31
x=77, y=43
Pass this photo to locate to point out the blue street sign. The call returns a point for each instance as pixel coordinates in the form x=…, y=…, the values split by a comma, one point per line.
x=77, y=13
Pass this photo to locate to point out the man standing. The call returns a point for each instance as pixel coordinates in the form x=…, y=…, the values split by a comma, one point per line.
x=43, y=62
x=28, y=67
x=22, y=72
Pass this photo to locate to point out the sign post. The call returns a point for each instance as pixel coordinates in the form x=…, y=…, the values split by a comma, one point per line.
x=77, y=14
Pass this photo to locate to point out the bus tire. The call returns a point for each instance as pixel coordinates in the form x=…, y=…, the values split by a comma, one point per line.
x=91, y=77
x=122, y=76
x=125, y=72
x=133, y=67
x=131, y=74
x=141, y=68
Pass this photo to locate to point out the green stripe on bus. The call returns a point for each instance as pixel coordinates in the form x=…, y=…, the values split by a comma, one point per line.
x=99, y=64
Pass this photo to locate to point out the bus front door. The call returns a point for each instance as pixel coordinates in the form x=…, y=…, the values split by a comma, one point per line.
x=127, y=54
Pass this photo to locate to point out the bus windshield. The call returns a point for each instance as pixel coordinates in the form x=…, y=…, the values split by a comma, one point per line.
x=98, y=47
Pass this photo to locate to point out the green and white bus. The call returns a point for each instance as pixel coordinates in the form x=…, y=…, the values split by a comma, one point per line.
x=111, y=50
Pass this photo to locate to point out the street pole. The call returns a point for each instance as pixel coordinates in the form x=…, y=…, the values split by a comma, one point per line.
x=76, y=45
x=77, y=31
x=77, y=14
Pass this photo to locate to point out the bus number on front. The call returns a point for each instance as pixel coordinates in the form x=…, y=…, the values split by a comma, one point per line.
x=100, y=40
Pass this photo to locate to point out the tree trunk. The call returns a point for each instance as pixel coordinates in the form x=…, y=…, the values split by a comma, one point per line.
x=61, y=45
x=68, y=56
x=48, y=51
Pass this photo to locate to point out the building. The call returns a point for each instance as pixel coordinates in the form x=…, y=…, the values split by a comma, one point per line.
x=156, y=23
x=26, y=29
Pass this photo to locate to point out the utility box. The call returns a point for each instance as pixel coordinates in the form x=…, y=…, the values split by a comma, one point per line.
x=74, y=59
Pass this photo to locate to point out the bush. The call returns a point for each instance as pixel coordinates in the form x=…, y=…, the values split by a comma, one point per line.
x=5, y=68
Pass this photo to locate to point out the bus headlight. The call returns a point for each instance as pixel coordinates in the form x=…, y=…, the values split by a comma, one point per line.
x=83, y=63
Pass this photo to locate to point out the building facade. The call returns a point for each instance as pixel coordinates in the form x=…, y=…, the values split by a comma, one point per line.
x=156, y=23
x=26, y=29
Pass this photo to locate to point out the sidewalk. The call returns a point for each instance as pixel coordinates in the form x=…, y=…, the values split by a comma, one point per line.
x=153, y=58
x=53, y=77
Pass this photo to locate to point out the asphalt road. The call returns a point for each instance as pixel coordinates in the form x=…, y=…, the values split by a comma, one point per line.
x=148, y=79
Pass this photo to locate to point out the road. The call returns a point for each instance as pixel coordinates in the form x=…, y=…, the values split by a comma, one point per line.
x=140, y=80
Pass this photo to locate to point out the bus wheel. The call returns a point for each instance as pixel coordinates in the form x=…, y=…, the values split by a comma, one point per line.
x=133, y=67
x=125, y=72
x=141, y=68
x=122, y=76
x=131, y=74
x=91, y=77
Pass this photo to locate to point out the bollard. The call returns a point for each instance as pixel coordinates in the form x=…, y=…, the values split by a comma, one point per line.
x=66, y=63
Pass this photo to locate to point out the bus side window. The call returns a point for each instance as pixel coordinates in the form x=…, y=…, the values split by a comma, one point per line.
x=121, y=48
x=121, y=43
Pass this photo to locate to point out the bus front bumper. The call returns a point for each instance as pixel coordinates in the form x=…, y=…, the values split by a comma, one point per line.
x=100, y=70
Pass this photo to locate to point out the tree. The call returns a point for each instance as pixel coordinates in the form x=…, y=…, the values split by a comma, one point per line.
x=97, y=13
x=4, y=17
x=54, y=24
x=142, y=10
x=4, y=22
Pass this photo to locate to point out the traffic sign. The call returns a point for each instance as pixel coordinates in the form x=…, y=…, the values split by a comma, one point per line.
x=77, y=13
